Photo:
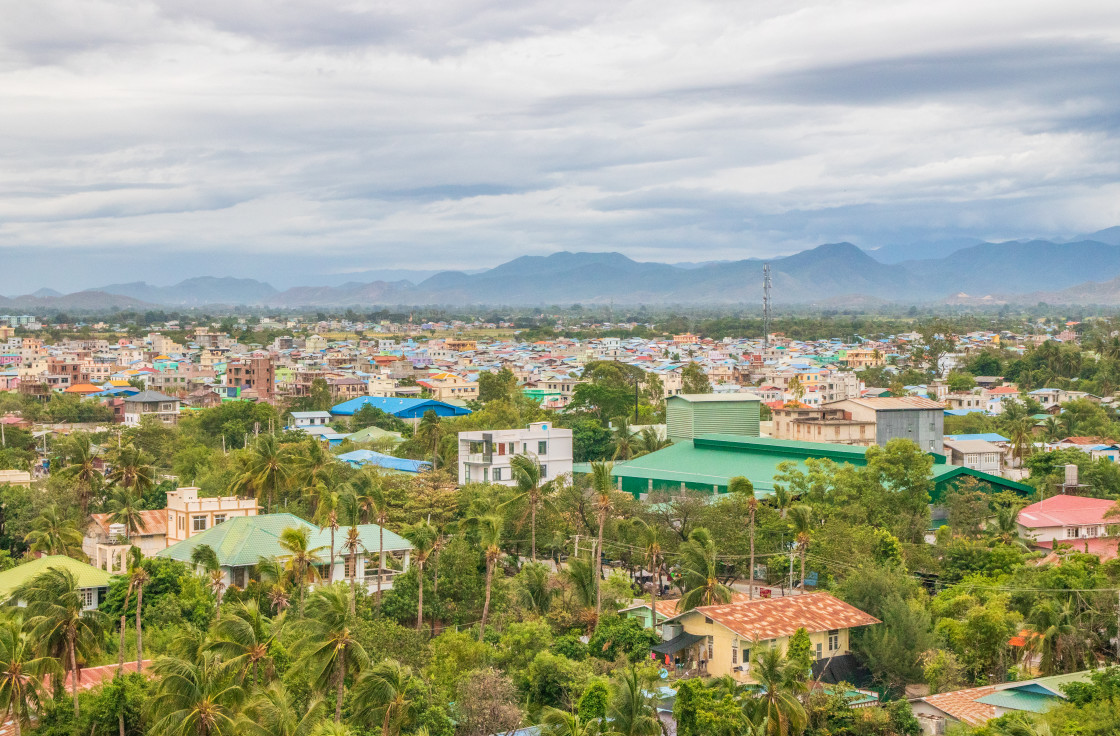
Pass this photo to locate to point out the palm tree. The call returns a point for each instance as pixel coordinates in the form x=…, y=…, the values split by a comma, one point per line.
x=53, y=534
x=558, y=723
x=601, y=476
x=490, y=539
x=132, y=468
x=581, y=574
x=743, y=488
x=196, y=696
x=699, y=571
x=429, y=433
x=650, y=440
x=313, y=466
x=326, y=516
x=1056, y=639
x=781, y=499
x=801, y=522
x=268, y=470
x=376, y=505
x=650, y=537
x=352, y=547
x=21, y=673
x=58, y=622
x=81, y=467
x=330, y=647
x=631, y=711
x=623, y=449
x=534, y=591
x=301, y=558
x=274, y=712
x=124, y=509
x=1022, y=438
x=1052, y=428
x=134, y=560
x=781, y=684
x=423, y=538
x=204, y=557
x=382, y=692
x=137, y=578
x=243, y=640
x=527, y=473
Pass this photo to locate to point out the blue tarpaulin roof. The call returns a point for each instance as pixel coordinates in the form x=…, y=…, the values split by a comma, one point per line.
x=369, y=457
x=403, y=408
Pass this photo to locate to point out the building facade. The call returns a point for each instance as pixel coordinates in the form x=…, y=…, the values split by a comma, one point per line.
x=484, y=457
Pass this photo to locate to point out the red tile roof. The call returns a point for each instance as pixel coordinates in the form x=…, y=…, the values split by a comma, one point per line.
x=772, y=618
x=962, y=705
x=1064, y=510
x=1104, y=548
x=91, y=677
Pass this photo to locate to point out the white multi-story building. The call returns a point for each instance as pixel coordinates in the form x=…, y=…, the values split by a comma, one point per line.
x=484, y=456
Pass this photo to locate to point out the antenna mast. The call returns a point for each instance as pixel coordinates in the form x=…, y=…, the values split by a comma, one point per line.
x=767, y=311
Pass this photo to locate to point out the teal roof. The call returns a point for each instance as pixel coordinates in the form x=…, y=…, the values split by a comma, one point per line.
x=1020, y=700
x=243, y=540
x=712, y=459
x=87, y=576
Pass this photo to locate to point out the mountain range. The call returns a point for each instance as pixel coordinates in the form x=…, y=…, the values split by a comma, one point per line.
x=1084, y=271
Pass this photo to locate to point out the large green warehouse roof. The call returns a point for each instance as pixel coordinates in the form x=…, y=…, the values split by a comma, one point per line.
x=707, y=463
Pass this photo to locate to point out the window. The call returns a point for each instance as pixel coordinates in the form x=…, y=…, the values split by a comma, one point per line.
x=198, y=523
x=734, y=655
x=348, y=566
x=1071, y=532
x=89, y=597
x=219, y=518
x=497, y=473
x=833, y=640
x=486, y=475
x=467, y=473
x=820, y=652
x=711, y=640
x=1090, y=531
x=182, y=521
x=544, y=471
x=542, y=447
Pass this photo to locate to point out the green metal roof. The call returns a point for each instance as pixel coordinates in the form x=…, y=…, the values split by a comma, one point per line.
x=1020, y=700
x=243, y=540
x=87, y=576
x=712, y=459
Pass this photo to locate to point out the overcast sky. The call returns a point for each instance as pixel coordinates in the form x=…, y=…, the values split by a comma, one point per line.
x=283, y=139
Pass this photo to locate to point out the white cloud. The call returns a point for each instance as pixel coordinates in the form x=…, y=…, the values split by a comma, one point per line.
x=460, y=134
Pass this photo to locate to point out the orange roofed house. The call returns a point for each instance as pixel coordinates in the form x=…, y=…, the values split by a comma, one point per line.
x=721, y=640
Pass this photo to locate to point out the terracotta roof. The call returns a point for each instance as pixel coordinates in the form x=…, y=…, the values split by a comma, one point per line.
x=1086, y=441
x=1103, y=547
x=1065, y=510
x=154, y=522
x=962, y=705
x=91, y=677
x=771, y=618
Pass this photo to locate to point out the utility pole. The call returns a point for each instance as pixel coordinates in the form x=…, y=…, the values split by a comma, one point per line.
x=767, y=309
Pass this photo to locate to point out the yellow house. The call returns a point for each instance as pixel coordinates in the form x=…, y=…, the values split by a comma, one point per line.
x=722, y=639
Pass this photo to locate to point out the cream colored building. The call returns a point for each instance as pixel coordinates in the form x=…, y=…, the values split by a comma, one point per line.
x=15, y=478
x=723, y=639
x=187, y=514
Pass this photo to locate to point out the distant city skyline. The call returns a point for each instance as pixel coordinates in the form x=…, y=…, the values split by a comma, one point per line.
x=158, y=140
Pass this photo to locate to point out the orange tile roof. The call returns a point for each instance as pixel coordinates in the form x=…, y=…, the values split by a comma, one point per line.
x=771, y=618
x=155, y=522
x=962, y=705
x=82, y=388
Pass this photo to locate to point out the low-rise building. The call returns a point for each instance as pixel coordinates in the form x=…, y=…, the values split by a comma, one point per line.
x=93, y=584
x=187, y=514
x=721, y=639
x=150, y=403
x=102, y=536
x=976, y=454
x=484, y=456
x=1074, y=520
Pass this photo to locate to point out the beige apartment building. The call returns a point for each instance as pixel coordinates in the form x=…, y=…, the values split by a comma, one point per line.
x=187, y=514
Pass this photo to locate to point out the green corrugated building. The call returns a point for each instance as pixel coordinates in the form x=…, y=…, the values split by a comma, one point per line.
x=707, y=462
x=691, y=415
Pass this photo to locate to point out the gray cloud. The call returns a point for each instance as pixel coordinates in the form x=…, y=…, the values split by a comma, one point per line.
x=291, y=138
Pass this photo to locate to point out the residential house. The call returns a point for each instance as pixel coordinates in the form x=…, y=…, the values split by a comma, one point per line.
x=485, y=456
x=304, y=420
x=919, y=420
x=150, y=403
x=1079, y=521
x=101, y=536
x=797, y=421
x=187, y=514
x=447, y=386
x=16, y=478
x=976, y=454
x=977, y=705
x=241, y=542
x=93, y=584
x=721, y=639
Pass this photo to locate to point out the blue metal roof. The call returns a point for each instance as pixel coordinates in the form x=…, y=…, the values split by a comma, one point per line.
x=369, y=457
x=403, y=408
